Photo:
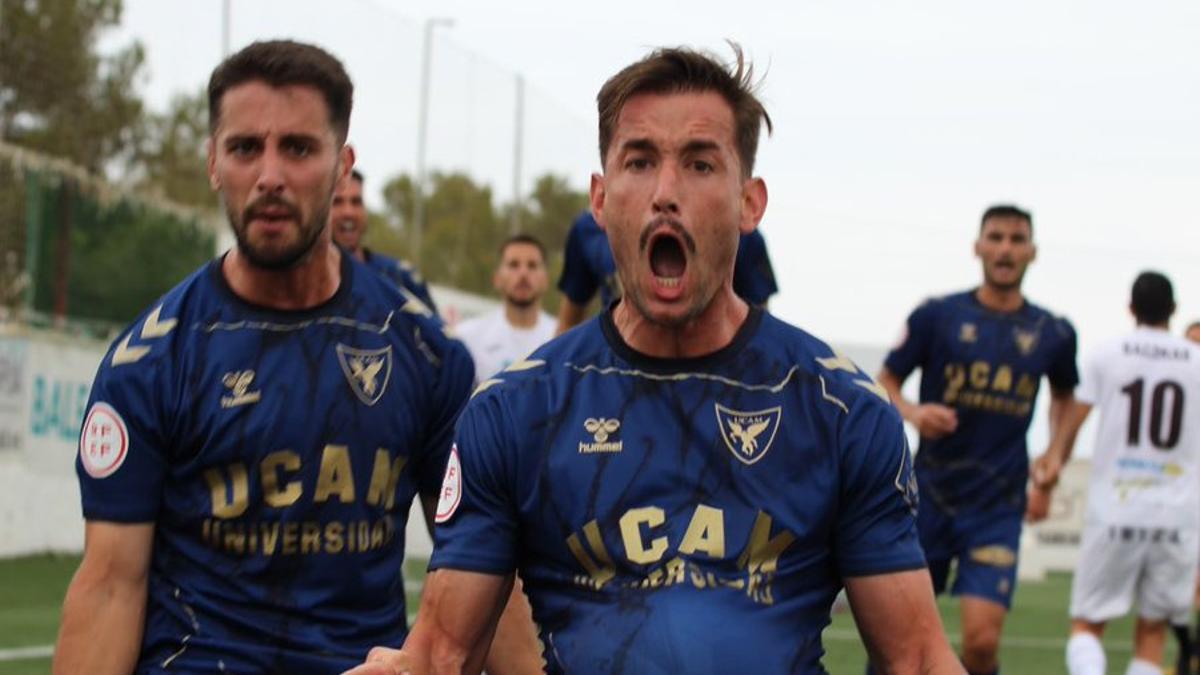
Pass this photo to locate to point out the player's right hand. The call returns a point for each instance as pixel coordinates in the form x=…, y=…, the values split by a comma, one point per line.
x=934, y=420
x=385, y=661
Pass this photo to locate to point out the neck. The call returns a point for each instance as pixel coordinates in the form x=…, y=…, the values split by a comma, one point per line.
x=1000, y=299
x=710, y=331
x=521, y=317
x=360, y=253
x=303, y=286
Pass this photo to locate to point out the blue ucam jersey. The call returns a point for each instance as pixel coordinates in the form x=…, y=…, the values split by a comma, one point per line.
x=402, y=274
x=680, y=515
x=588, y=266
x=277, y=454
x=987, y=366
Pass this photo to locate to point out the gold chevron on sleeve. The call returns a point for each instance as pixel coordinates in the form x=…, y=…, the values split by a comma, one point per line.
x=838, y=362
x=524, y=364
x=153, y=328
x=125, y=354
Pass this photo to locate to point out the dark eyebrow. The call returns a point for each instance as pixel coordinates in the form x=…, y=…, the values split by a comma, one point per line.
x=644, y=144
x=234, y=139
x=700, y=146
x=301, y=138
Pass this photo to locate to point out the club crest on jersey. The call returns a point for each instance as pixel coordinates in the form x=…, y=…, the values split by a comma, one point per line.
x=1026, y=340
x=238, y=382
x=601, y=430
x=748, y=435
x=968, y=332
x=367, y=370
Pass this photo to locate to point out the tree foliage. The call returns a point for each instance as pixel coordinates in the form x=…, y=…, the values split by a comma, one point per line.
x=58, y=95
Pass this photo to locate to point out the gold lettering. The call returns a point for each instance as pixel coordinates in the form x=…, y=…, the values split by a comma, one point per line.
x=235, y=538
x=763, y=551
x=289, y=538
x=377, y=534
x=273, y=494
x=385, y=477
x=631, y=534
x=333, y=538
x=226, y=502
x=310, y=538
x=955, y=377
x=705, y=533
x=1026, y=387
x=1003, y=379
x=675, y=570
x=270, y=537
x=979, y=374
x=364, y=536
x=601, y=570
x=335, y=478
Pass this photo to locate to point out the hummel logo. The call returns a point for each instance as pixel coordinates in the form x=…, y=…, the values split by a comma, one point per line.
x=600, y=429
x=239, y=382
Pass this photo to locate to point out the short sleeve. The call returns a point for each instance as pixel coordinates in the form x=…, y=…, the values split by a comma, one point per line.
x=477, y=520
x=1090, y=385
x=876, y=530
x=123, y=444
x=753, y=276
x=1063, y=372
x=451, y=390
x=578, y=282
x=913, y=349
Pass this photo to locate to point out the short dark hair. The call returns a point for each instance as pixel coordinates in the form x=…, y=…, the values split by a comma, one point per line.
x=280, y=63
x=522, y=238
x=680, y=70
x=356, y=175
x=1006, y=211
x=1152, y=298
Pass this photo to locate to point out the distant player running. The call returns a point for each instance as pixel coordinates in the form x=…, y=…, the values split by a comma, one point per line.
x=1140, y=538
x=982, y=355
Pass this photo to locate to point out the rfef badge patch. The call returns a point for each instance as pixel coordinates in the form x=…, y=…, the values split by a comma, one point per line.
x=103, y=442
x=451, y=494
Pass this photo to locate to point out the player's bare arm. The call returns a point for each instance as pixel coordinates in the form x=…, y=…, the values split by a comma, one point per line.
x=915, y=644
x=515, y=650
x=932, y=420
x=105, y=607
x=458, y=616
x=1067, y=415
x=570, y=314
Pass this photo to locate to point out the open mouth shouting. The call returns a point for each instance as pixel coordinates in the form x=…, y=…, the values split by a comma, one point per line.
x=668, y=246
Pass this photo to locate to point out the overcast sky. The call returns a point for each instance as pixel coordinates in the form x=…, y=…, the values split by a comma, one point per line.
x=896, y=125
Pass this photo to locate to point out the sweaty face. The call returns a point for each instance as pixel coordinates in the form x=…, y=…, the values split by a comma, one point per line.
x=1005, y=247
x=348, y=217
x=274, y=158
x=521, y=277
x=672, y=201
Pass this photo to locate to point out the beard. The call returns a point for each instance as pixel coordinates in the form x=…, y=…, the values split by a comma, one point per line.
x=273, y=257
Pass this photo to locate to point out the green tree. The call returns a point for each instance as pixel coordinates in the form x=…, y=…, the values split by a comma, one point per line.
x=57, y=94
x=172, y=158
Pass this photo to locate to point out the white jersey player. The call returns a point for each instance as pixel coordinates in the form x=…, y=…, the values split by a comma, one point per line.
x=1140, y=541
x=510, y=333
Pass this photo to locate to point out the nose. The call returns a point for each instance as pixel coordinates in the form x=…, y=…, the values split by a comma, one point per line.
x=666, y=190
x=270, y=173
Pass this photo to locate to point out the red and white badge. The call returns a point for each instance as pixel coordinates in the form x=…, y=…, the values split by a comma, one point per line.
x=451, y=494
x=104, y=442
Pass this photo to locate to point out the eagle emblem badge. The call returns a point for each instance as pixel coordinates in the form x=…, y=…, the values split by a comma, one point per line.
x=748, y=435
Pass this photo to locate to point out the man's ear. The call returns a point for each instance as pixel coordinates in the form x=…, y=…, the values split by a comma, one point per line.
x=214, y=181
x=754, y=204
x=596, y=198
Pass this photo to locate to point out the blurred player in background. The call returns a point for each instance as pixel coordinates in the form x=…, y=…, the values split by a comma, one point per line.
x=982, y=355
x=254, y=440
x=1187, y=638
x=348, y=218
x=588, y=267
x=508, y=334
x=685, y=481
x=1193, y=332
x=1141, y=537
